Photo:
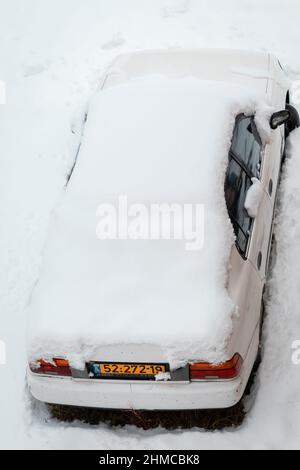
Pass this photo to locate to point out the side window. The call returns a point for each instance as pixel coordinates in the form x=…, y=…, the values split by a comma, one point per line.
x=244, y=163
x=246, y=145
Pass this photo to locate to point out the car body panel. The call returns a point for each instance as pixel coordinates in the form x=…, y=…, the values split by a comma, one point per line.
x=246, y=280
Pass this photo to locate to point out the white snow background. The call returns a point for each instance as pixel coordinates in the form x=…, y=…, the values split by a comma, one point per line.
x=52, y=54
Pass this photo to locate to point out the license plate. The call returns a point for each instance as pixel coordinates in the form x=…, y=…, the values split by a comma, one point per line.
x=116, y=370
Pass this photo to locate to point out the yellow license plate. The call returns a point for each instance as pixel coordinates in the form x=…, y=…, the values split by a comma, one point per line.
x=125, y=370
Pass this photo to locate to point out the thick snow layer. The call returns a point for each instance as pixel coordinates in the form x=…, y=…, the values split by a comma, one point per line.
x=254, y=198
x=51, y=57
x=156, y=141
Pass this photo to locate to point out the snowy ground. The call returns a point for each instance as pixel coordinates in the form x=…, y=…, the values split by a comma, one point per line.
x=52, y=53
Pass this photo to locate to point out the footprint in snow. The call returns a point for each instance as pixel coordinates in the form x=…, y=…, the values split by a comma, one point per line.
x=178, y=8
x=30, y=70
x=116, y=41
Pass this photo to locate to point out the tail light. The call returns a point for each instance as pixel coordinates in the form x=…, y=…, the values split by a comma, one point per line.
x=227, y=370
x=59, y=367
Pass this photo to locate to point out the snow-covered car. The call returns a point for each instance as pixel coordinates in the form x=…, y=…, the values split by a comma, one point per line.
x=157, y=322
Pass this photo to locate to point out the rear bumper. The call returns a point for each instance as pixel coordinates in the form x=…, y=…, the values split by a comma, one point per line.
x=156, y=396
x=141, y=395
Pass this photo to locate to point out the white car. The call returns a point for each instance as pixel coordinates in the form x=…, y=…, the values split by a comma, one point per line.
x=159, y=324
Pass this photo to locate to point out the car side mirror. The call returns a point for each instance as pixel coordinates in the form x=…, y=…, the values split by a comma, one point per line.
x=280, y=118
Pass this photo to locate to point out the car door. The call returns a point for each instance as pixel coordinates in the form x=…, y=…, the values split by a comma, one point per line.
x=246, y=281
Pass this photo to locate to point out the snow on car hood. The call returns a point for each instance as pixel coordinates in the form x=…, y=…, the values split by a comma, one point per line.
x=152, y=140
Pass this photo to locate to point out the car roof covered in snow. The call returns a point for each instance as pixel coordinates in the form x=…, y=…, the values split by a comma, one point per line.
x=154, y=140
